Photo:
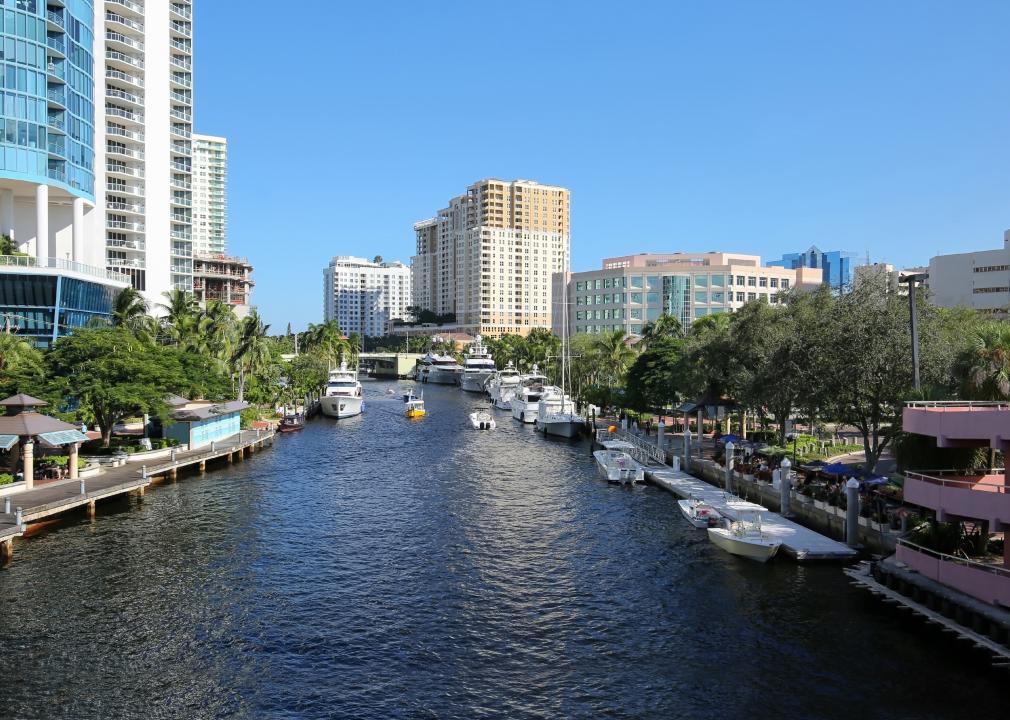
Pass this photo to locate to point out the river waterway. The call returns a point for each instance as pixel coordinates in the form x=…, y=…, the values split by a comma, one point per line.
x=385, y=568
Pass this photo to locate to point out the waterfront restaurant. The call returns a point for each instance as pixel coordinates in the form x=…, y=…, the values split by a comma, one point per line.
x=198, y=423
x=22, y=427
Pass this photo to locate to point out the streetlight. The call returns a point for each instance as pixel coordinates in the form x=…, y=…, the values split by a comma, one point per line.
x=913, y=311
x=794, y=437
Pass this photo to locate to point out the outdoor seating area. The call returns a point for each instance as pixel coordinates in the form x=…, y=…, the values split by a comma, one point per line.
x=33, y=445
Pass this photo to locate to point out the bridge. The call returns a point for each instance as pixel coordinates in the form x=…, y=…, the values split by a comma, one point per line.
x=389, y=364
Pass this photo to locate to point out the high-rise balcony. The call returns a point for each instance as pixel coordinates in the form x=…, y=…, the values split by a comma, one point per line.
x=182, y=28
x=125, y=225
x=56, y=71
x=55, y=21
x=181, y=97
x=183, y=11
x=182, y=235
x=124, y=133
x=113, y=38
x=181, y=184
x=124, y=151
x=182, y=148
x=57, y=121
x=129, y=6
x=182, y=201
x=182, y=62
x=184, y=46
x=57, y=145
x=182, y=167
x=56, y=46
x=181, y=131
x=121, y=95
x=135, y=244
x=182, y=79
x=125, y=262
x=116, y=57
x=124, y=77
x=983, y=496
x=116, y=20
x=126, y=189
x=57, y=96
x=125, y=207
x=124, y=170
x=124, y=114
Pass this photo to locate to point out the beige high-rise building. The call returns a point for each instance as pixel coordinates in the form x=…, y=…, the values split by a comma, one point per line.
x=490, y=255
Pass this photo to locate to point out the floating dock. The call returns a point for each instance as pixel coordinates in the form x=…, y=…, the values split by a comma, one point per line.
x=798, y=542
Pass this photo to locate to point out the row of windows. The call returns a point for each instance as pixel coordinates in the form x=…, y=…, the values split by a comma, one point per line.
x=653, y=282
x=992, y=268
x=983, y=290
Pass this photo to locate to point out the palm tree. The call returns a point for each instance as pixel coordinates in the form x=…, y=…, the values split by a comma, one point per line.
x=252, y=350
x=16, y=351
x=182, y=318
x=130, y=311
x=218, y=329
x=987, y=362
x=615, y=354
x=666, y=326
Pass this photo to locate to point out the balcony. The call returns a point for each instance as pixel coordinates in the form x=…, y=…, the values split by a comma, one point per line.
x=55, y=20
x=181, y=97
x=57, y=145
x=182, y=167
x=123, y=132
x=129, y=5
x=57, y=121
x=988, y=583
x=182, y=79
x=183, y=11
x=111, y=92
x=56, y=72
x=181, y=235
x=125, y=114
x=117, y=19
x=114, y=74
x=135, y=190
x=959, y=423
x=57, y=95
x=114, y=56
x=124, y=169
x=121, y=225
x=137, y=245
x=182, y=202
x=116, y=149
x=135, y=208
x=180, y=148
x=181, y=131
x=111, y=36
x=978, y=497
x=33, y=264
x=124, y=263
x=181, y=184
x=182, y=62
x=183, y=28
x=182, y=46
x=56, y=47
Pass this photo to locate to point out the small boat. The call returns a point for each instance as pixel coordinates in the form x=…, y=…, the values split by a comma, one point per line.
x=616, y=465
x=414, y=407
x=291, y=423
x=700, y=514
x=481, y=419
x=743, y=537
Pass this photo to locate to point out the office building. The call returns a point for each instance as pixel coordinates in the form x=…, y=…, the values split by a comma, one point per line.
x=210, y=202
x=979, y=279
x=488, y=258
x=836, y=266
x=51, y=277
x=224, y=278
x=632, y=290
x=363, y=297
x=143, y=145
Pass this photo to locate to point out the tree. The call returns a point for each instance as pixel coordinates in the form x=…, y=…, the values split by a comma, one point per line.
x=654, y=377
x=986, y=363
x=130, y=311
x=113, y=375
x=8, y=246
x=21, y=366
x=667, y=326
x=252, y=351
x=615, y=355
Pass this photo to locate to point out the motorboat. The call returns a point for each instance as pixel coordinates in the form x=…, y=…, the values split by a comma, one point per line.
x=343, y=396
x=556, y=414
x=291, y=423
x=616, y=464
x=407, y=394
x=744, y=537
x=414, y=406
x=478, y=367
x=525, y=402
x=700, y=514
x=443, y=370
x=501, y=387
x=482, y=419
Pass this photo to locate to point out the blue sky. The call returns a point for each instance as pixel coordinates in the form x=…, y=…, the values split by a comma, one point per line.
x=759, y=127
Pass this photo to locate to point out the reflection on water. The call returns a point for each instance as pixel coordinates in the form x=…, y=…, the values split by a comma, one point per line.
x=383, y=567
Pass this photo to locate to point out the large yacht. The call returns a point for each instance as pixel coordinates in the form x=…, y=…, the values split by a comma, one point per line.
x=525, y=402
x=478, y=367
x=556, y=414
x=444, y=370
x=342, y=397
x=502, y=386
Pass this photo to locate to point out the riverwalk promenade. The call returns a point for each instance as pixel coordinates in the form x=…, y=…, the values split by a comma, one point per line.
x=19, y=510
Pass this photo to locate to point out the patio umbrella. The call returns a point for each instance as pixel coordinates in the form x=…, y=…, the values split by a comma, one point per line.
x=838, y=469
x=876, y=480
x=735, y=439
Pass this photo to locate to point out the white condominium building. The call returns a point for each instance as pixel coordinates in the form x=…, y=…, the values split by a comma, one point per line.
x=364, y=296
x=143, y=144
x=210, y=206
x=979, y=280
x=489, y=257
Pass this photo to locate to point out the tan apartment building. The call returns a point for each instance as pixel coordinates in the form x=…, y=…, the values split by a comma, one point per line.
x=631, y=290
x=490, y=256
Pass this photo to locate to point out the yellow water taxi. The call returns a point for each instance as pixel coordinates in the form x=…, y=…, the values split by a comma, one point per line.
x=414, y=406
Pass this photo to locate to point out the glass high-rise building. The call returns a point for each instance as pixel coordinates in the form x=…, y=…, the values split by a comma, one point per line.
x=836, y=266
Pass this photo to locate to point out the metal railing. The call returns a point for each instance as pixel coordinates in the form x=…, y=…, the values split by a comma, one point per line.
x=937, y=478
x=124, y=58
x=29, y=262
x=56, y=18
x=967, y=404
x=998, y=570
x=124, y=39
x=643, y=450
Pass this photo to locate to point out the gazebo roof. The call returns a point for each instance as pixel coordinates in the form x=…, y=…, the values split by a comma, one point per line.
x=31, y=424
x=22, y=401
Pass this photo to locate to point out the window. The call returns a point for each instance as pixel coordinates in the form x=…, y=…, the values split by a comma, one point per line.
x=763, y=282
x=636, y=298
x=739, y=280
x=992, y=268
x=739, y=297
x=982, y=290
x=652, y=298
x=751, y=281
x=636, y=281
x=774, y=282
x=654, y=282
x=635, y=314
x=720, y=280
x=718, y=297
x=785, y=284
x=701, y=312
x=580, y=286
x=751, y=296
x=701, y=296
x=701, y=280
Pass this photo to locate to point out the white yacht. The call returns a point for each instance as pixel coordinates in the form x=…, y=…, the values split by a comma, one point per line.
x=478, y=367
x=556, y=414
x=744, y=537
x=444, y=370
x=503, y=386
x=525, y=402
x=616, y=464
x=342, y=397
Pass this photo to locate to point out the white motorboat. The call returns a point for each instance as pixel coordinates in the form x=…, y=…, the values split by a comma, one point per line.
x=525, y=402
x=700, y=514
x=482, y=419
x=478, y=367
x=616, y=465
x=444, y=370
x=421, y=368
x=501, y=387
x=342, y=397
x=744, y=537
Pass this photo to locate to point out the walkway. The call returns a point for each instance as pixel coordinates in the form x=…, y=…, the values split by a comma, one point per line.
x=58, y=497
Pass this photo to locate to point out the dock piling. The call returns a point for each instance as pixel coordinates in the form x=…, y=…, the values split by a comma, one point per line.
x=730, y=462
x=785, y=487
x=18, y=520
x=6, y=549
x=852, y=513
x=83, y=491
x=92, y=506
x=687, y=449
x=7, y=505
x=203, y=466
x=143, y=471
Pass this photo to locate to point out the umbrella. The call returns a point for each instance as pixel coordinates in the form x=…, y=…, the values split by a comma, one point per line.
x=838, y=469
x=869, y=482
x=730, y=438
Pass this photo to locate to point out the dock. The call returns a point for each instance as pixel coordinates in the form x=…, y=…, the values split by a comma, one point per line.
x=55, y=498
x=798, y=542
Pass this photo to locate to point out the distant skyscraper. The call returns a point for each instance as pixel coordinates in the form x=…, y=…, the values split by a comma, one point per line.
x=836, y=265
x=364, y=296
x=210, y=181
x=489, y=257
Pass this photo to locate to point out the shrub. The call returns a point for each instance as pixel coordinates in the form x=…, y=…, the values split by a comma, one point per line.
x=6, y=478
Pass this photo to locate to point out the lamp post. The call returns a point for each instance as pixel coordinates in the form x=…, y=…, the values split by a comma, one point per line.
x=913, y=314
x=794, y=437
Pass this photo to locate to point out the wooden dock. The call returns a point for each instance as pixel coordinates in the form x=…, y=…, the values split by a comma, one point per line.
x=798, y=542
x=55, y=498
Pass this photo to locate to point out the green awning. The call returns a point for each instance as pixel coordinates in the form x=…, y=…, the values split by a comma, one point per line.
x=63, y=437
x=8, y=441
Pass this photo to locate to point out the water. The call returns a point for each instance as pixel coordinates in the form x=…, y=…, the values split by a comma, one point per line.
x=386, y=568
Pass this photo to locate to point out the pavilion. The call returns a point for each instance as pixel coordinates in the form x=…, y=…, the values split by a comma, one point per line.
x=23, y=426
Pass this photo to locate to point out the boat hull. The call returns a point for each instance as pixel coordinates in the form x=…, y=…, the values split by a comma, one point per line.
x=337, y=406
x=561, y=428
x=628, y=475
x=699, y=522
x=751, y=548
x=442, y=377
x=474, y=382
x=524, y=412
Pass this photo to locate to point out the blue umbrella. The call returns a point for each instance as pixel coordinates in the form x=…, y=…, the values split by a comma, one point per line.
x=869, y=482
x=730, y=438
x=838, y=469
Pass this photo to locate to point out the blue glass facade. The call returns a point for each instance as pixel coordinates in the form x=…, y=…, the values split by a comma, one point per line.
x=47, y=81
x=43, y=307
x=837, y=266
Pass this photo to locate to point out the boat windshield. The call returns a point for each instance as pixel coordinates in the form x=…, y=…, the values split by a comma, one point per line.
x=342, y=384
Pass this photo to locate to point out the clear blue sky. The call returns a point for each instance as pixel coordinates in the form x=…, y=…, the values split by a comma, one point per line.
x=759, y=127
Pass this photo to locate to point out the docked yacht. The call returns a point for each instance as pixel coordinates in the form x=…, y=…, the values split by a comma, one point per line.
x=502, y=386
x=616, y=465
x=525, y=401
x=478, y=367
x=744, y=537
x=444, y=370
x=342, y=397
x=556, y=414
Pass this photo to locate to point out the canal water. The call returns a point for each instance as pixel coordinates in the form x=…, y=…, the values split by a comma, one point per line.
x=386, y=568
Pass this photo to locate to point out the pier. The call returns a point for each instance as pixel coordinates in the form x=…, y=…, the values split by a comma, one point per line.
x=17, y=511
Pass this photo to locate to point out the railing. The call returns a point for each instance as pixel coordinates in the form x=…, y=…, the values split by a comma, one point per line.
x=129, y=189
x=123, y=113
x=113, y=74
x=55, y=18
x=121, y=262
x=123, y=225
x=181, y=131
x=126, y=207
x=998, y=570
x=115, y=17
x=967, y=404
x=56, y=145
x=182, y=45
x=56, y=71
x=124, y=39
x=123, y=95
x=938, y=479
x=180, y=115
x=124, y=58
x=135, y=7
x=182, y=10
x=182, y=28
x=182, y=62
x=643, y=451
x=181, y=79
x=124, y=170
x=58, y=95
x=57, y=45
x=121, y=132
x=127, y=244
x=28, y=261
x=56, y=121
x=123, y=150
